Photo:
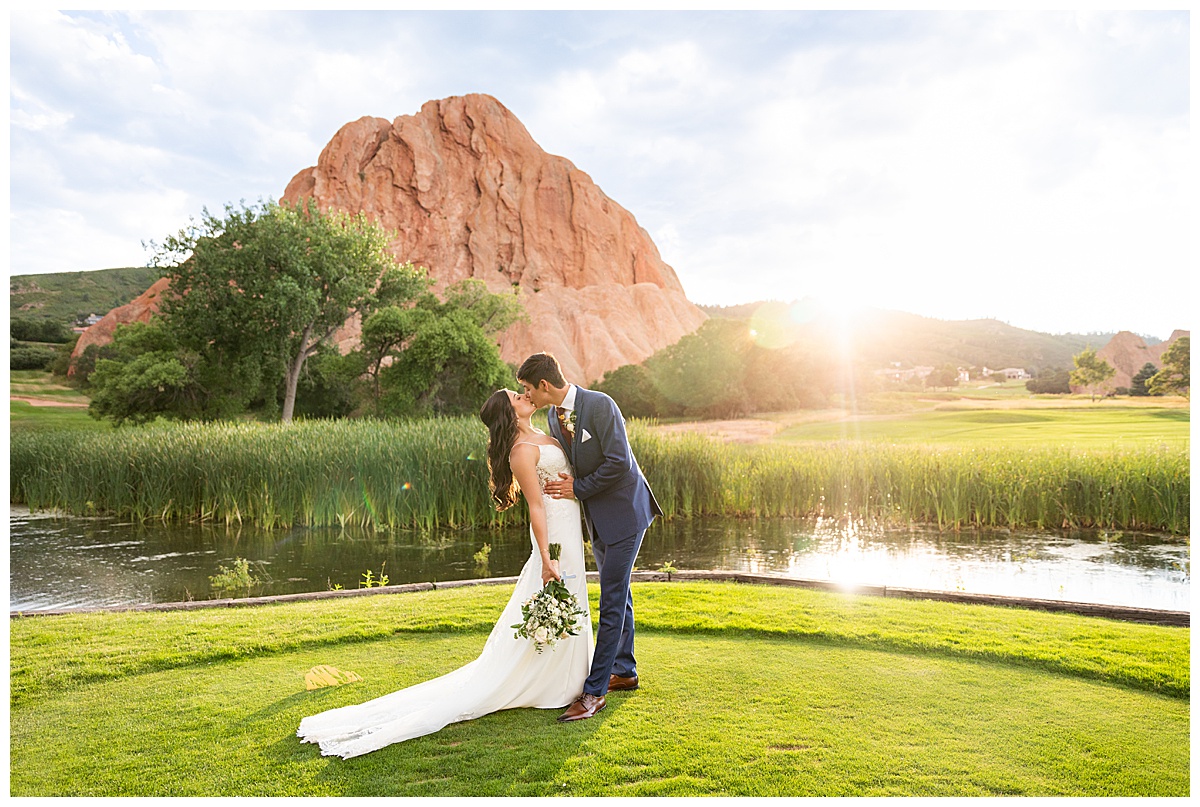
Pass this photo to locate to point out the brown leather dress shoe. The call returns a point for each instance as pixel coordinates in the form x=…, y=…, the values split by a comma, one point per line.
x=585, y=706
x=616, y=683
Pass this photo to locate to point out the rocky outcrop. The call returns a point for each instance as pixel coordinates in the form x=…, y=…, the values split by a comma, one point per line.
x=139, y=309
x=1128, y=353
x=471, y=195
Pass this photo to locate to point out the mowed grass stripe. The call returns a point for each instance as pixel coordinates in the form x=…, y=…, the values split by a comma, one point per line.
x=716, y=715
x=56, y=654
x=1072, y=427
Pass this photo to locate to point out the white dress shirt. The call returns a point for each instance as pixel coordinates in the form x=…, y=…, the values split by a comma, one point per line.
x=568, y=402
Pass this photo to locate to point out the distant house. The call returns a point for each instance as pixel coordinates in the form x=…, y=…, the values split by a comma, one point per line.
x=91, y=320
x=964, y=375
x=1015, y=373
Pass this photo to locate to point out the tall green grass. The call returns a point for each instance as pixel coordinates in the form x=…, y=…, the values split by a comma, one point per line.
x=432, y=473
x=364, y=473
x=953, y=487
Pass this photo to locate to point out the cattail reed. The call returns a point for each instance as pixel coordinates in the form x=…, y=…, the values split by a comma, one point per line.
x=432, y=474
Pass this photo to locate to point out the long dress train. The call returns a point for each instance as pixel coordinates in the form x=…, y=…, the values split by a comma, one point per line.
x=508, y=674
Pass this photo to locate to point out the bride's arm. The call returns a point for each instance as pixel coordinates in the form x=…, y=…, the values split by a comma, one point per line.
x=523, y=460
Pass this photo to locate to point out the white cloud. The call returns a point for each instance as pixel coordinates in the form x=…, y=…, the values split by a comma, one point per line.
x=1016, y=165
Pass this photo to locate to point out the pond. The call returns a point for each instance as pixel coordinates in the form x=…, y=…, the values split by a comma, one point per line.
x=68, y=562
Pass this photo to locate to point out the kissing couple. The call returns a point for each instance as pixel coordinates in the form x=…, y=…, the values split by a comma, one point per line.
x=582, y=474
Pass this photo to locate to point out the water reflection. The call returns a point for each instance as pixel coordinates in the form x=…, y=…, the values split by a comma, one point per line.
x=73, y=562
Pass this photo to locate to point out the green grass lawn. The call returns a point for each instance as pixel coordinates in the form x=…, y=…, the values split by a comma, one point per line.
x=746, y=690
x=1097, y=427
x=24, y=416
x=43, y=385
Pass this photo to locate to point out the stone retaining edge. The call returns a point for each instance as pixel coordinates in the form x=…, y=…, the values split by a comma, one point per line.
x=1119, y=612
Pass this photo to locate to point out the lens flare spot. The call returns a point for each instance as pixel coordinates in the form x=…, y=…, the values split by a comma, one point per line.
x=771, y=326
x=406, y=486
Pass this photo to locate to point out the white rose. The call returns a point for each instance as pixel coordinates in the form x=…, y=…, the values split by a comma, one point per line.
x=541, y=635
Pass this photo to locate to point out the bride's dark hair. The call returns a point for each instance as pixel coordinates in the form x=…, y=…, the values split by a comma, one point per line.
x=501, y=420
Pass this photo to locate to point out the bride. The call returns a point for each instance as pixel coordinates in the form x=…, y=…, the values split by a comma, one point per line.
x=509, y=673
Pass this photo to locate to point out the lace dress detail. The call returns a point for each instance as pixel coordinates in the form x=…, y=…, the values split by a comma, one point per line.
x=509, y=672
x=551, y=464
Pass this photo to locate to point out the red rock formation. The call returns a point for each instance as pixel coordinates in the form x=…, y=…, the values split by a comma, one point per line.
x=139, y=310
x=471, y=195
x=1128, y=353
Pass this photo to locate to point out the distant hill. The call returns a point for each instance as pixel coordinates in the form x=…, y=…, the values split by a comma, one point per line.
x=879, y=337
x=66, y=296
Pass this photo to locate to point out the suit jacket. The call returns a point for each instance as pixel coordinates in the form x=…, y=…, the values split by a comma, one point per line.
x=617, y=500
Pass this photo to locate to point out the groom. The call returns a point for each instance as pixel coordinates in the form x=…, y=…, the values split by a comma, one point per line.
x=617, y=505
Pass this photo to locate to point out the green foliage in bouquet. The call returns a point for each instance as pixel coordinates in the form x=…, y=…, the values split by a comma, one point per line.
x=551, y=614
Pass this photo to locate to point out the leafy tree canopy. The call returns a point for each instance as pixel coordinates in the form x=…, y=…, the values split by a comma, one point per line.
x=429, y=356
x=262, y=288
x=719, y=371
x=1139, y=380
x=253, y=294
x=1175, y=375
x=1090, y=371
x=149, y=375
x=945, y=375
x=1052, y=381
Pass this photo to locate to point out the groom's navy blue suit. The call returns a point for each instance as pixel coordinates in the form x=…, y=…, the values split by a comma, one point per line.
x=618, y=506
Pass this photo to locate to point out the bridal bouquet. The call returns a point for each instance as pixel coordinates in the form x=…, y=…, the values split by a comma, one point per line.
x=550, y=614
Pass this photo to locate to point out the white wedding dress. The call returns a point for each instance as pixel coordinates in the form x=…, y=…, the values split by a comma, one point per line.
x=508, y=674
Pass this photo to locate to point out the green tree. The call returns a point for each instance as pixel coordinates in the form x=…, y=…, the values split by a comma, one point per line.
x=1138, y=387
x=704, y=372
x=407, y=314
x=491, y=311
x=31, y=357
x=149, y=375
x=329, y=386
x=448, y=367
x=259, y=291
x=1050, y=381
x=1175, y=375
x=1090, y=371
x=39, y=330
x=81, y=368
x=945, y=375
x=430, y=356
x=62, y=362
x=635, y=393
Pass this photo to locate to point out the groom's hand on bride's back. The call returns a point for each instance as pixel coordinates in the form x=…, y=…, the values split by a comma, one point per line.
x=561, y=488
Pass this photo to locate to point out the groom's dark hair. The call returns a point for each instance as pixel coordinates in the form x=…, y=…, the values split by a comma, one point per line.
x=541, y=366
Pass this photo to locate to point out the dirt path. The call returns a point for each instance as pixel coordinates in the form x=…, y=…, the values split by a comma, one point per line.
x=752, y=430
x=47, y=402
x=731, y=431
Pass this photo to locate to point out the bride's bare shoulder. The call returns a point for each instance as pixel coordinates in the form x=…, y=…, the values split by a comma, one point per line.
x=524, y=452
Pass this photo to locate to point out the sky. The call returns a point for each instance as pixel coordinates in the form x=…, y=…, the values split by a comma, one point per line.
x=1033, y=167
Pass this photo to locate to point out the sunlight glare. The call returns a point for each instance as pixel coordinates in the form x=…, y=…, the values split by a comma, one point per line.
x=771, y=326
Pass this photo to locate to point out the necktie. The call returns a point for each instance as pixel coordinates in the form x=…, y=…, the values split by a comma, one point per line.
x=562, y=424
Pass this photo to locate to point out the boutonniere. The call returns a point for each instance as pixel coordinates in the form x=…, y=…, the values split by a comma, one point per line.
x=571, y=422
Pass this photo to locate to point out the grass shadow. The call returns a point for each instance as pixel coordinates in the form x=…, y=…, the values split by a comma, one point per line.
x=511, y=753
